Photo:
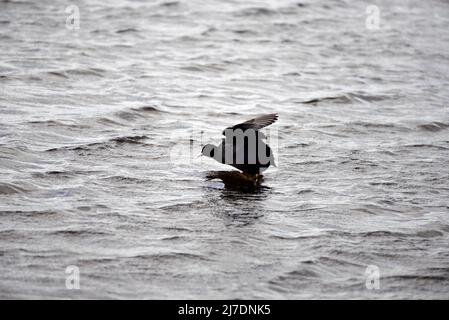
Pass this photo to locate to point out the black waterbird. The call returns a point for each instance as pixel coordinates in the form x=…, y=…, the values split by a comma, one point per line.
x=243, y=148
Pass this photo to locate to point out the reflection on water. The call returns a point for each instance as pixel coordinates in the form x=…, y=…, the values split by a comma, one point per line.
x=235, y=180
x=236, y=200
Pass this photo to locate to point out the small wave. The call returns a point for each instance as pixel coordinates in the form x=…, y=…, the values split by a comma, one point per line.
x=125, y=179
x=169, y=256
x=381, y=233
x=57, y=124
x=347, y=98
x=337, y=99
x=334, y=261
x=292, y=74
x=419, y=234
x=303, y=273
x=127, y=30
x=208, y=31
x=102, y=145
x=76, y=233
x=50, y=123
x=256, y=11
x=132, y=139
x=87, y=72
x=429, y=234
x=173, y=238
x=63, y=174
x=27, y=213
x=57, y=74
x=10, y=235
x=169, y=4
x=77, y=72
x=204, y=68
x=16, y=2
x=384, y=183
x=377, y=125
x=294, y=237
x=418, y=277
x=295, y=145
x=75, y=148
x=9, y=189
x=369, y=97
x=108, y=122
x=179, y=207
x=425, y=145
x=136, y=113
x=85, y=261
x=309, y=270
x=433, y=126
x=244, y=31
x=147, y=109
x=333, y=134
x=52, y=174
x=304, y=191
x=176, y=229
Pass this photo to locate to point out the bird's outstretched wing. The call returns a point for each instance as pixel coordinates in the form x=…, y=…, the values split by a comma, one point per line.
x=256, y=123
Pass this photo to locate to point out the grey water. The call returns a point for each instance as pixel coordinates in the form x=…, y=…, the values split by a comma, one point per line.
x=100, y=127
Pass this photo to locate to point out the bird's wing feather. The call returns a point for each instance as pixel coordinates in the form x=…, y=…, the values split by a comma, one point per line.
x=256, y=123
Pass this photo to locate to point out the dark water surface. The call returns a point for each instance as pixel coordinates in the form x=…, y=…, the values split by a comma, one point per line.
x=96, y=168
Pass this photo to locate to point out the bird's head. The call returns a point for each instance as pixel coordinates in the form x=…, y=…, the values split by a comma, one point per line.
x=208, y=150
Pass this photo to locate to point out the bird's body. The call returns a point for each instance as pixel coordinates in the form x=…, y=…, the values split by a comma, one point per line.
x=243, y=146
x=242, y=149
